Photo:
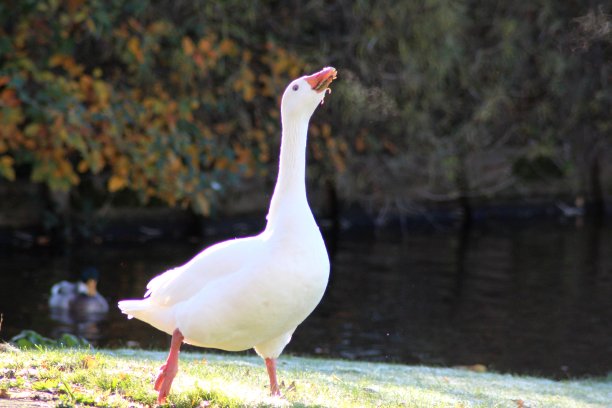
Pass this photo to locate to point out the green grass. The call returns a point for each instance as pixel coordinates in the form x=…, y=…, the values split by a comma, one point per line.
x=123, y=378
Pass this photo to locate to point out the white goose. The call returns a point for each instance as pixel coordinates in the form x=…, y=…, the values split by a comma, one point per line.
x=251, y=292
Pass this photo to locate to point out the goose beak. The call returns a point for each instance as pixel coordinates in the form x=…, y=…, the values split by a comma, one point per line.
x=320, y=81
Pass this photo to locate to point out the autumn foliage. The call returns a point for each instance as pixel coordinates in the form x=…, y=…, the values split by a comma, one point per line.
x=170, y=111
x=176, y=101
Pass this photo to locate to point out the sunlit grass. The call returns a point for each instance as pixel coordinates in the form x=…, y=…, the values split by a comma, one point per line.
x=123, y=378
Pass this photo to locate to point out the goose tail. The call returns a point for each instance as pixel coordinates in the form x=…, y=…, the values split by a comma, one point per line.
x=157, y=316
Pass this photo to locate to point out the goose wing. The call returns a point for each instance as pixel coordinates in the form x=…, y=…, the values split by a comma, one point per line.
x=220, y=260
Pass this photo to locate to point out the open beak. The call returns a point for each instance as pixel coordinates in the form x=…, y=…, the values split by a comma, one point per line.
x=321, y=80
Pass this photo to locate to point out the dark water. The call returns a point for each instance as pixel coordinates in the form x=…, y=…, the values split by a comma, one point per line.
x=532, y=299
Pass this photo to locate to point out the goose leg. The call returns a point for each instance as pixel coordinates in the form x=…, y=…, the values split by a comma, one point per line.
x=271, y=366
x=168, y=371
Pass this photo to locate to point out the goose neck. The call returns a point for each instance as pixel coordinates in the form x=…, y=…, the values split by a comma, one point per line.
x=291, y=182
x=292, y=162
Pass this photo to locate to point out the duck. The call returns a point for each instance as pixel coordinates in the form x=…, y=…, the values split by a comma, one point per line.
x=90, y=301
x=80, y=298
x=64, y=292
x=250, y=292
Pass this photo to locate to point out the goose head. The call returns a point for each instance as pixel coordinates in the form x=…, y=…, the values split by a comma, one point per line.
x=303, y=95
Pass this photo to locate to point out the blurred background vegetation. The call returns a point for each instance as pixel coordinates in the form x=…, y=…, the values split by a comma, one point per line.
x=108, y=103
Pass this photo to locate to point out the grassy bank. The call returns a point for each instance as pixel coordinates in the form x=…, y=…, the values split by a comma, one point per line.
x=123, y=378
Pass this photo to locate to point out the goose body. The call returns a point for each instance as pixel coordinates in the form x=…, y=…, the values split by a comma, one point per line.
x=257, y=288
x=250, y=292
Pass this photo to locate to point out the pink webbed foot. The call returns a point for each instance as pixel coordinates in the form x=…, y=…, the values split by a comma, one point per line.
x=163, y=383
x=168, y=371
x=271, y=367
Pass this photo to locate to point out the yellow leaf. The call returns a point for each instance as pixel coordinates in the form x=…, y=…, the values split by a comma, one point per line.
x=477, y=368
x=227, y=47
x=175, y=164
x=122, y=166
x=102, y=92
x=6, y=167
x=91, y=26
x=89, y=362
x=57, y=60
x=63, y=134
x=134, y=47
x=116, y=183
x=68, y=63
x=248, y=93
x=202, y=205
x=32, y=129
x=97, y=161
x=188, y=46
x=82, y=166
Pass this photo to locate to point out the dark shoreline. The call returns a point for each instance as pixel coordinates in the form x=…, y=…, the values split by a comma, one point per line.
x=138, y=225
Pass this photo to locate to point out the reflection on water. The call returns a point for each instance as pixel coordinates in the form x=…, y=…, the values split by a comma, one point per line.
x=87, y=325
x=533, y=299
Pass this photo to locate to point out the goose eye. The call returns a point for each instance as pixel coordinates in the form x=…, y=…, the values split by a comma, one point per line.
x=295, y=87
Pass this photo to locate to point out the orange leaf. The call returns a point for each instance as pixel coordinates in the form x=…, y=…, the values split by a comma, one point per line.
x=57, y=60
x=9, y=98
x=82, y=166
x=248, y=93
x=6, y=167
x=227, y=47
x=188, y=46
x=116, y=183
x=360, y=145
x=74, y=5
x=204, y=45
x=134, y=47
x=326, y=130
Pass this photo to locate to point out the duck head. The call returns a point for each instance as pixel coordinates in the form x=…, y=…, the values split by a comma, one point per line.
x=90, y=276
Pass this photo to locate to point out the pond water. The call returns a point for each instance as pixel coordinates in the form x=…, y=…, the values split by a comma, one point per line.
x=533, y=299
